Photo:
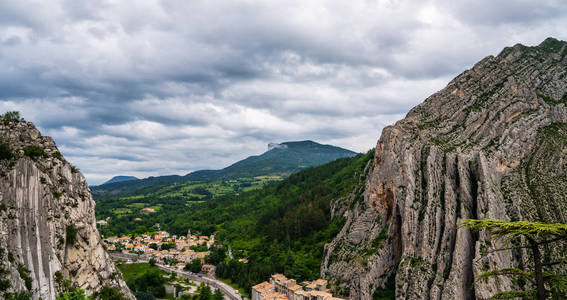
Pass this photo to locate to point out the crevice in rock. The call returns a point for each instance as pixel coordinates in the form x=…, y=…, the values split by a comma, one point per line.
x=473, y=214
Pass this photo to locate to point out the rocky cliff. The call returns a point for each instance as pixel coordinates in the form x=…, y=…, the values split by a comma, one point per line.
x=492, y=144
x=49, y=239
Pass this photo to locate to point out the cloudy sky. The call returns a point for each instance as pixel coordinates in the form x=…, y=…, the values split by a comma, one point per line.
x=152, y=87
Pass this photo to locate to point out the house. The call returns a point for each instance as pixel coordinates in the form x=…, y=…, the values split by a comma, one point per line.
x=260, y=289
x=207, y=268
x=280, y=287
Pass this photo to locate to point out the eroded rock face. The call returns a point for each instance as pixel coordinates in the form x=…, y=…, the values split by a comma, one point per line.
x=492, y=144
x=43, y=200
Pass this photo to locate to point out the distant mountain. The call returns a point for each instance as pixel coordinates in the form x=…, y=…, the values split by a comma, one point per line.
x=280, y=159
x=121, y=179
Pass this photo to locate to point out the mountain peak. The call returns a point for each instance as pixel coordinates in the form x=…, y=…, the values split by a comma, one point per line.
x=121, y=178
x=490, y=145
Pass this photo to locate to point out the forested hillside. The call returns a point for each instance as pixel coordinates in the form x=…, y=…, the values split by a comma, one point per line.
x=280, y=160
x=282, y=227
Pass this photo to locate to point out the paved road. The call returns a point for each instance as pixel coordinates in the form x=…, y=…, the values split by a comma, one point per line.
x=227, y=290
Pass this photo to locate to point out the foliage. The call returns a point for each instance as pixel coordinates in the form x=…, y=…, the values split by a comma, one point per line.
x=140, y=295
x=152, y=262
x=25, y=276
x=216, y=256
x=12, y=116
x=71, y=234
x=204, y=292
x=5, y=151
x=108, y=293
x=534, y=230
x=199, y=248
x=194, y=266
x=534, y=236
x=34, y=151
x=150, y=281
x=73, y=294
x=18, y=296
x=218, y=295
x=167, y=246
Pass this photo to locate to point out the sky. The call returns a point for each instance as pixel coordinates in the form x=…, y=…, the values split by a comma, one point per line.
x=155, y=87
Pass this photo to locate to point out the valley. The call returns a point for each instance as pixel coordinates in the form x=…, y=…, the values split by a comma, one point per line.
x=464, y=198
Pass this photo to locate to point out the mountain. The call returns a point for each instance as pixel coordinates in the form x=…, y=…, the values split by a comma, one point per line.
x=121, y=179
x=49, y=237
x=491, y=144
x=280, y=159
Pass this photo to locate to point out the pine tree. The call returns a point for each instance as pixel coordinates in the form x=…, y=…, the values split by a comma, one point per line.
x=532, y=236
x=218, y=295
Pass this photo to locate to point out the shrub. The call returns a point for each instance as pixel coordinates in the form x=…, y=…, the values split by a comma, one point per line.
x=71, y=234
x=73, y=294
x=25, y=275
x=18, y=296
x=5, y=284
x=58, y=155
x=34, y=151
x=108, y=292
x=5, y=152
x=12, y=116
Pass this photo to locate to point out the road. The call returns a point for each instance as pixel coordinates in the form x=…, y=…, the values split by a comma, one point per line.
x=228, y=291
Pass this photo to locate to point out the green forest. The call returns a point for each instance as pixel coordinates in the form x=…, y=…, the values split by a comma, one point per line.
x=281, y=228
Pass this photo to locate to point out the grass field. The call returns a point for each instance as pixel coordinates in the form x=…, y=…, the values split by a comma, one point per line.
x=131, y=271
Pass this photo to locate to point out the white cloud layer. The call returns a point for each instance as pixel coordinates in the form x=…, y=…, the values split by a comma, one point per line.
x=155, y=87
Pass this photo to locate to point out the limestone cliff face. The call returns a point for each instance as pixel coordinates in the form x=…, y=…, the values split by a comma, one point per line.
x=492, y=144
x=47, y=220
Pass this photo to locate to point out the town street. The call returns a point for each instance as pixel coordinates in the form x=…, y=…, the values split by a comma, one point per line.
x=229, y=292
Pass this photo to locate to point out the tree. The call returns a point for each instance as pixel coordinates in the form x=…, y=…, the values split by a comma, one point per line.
x=218, y=295
x=12, y=116
x=194, y=266
x=107, y=293
x=152, y=262
x=204, y=292
x=153, y=246
x=150, y=281
x=532, y=236
x=73, y=294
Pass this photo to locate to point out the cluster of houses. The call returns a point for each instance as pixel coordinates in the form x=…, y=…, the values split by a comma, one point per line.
x=281, y=288
x=177, y=249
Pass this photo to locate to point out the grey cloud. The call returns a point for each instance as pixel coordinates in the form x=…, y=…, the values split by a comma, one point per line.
x=160, y=87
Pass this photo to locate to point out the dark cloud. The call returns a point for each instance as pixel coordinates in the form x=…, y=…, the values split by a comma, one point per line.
x=160, y=87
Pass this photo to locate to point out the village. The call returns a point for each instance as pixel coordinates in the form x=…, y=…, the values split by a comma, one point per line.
x=281, y=288
x=165, y=248
x=177, y=251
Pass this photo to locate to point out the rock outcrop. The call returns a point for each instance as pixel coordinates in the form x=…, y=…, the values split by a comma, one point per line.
x=492, y=144
x=49, y=239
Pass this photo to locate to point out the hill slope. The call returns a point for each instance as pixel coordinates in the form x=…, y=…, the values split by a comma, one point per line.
x=281, y=159
x=121, y=179
x=492, y=144
x=47, y=220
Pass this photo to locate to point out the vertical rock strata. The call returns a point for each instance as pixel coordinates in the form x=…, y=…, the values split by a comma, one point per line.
x=47, y=220
x=492, y=144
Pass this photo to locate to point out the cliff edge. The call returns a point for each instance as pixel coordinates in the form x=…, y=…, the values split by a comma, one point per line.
x=48, y=236
x=492, y=144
